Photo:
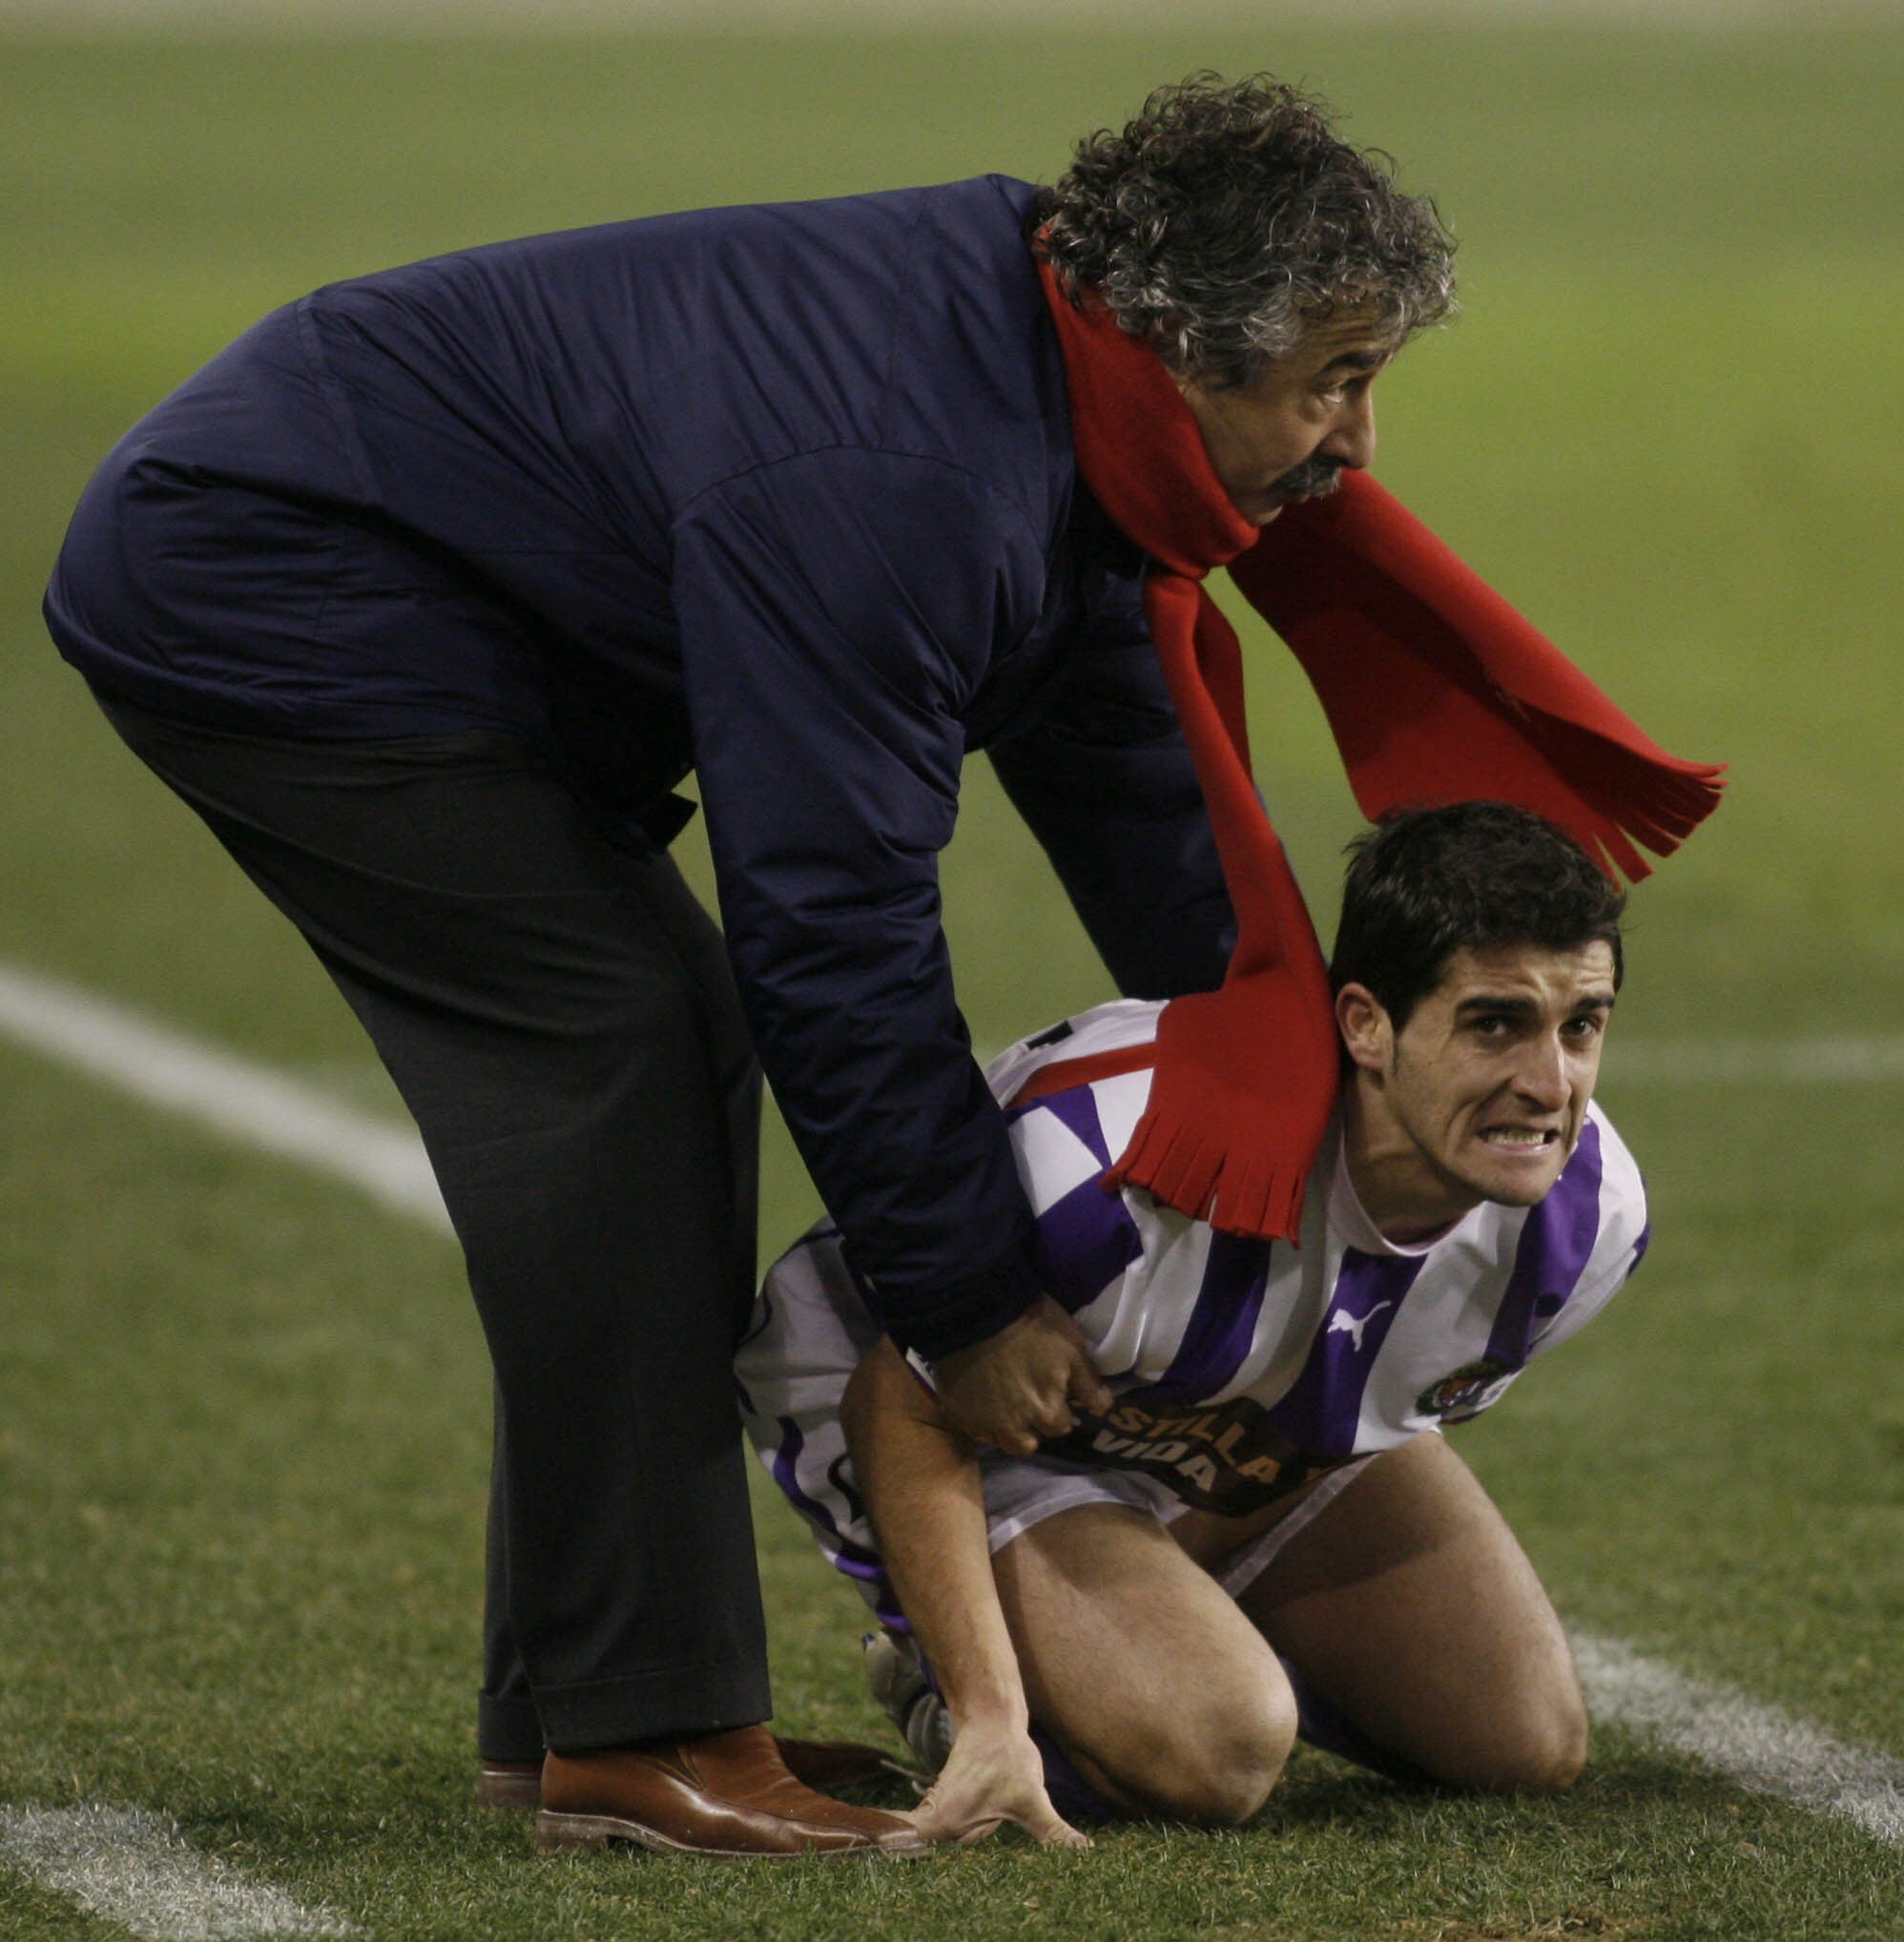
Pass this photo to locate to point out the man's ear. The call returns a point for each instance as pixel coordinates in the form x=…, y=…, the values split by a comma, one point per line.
x=1365, y=1027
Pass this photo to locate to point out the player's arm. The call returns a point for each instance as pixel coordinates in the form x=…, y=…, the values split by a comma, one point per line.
x=919, y=1477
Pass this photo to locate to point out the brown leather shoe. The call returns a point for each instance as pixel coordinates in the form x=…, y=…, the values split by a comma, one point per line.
x=727, y=1795
x=510, y=1784
x=821, y=1764
x=827, y=1764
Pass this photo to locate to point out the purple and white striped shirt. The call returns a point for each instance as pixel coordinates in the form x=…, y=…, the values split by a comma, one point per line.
x=1240, y=1369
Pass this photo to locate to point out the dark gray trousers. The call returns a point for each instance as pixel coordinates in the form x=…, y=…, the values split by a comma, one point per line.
x=556, y=1010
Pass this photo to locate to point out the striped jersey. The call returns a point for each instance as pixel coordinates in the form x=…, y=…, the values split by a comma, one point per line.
x=1239, y=1369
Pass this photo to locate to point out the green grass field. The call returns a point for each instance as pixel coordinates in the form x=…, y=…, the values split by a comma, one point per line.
x=243, y=1433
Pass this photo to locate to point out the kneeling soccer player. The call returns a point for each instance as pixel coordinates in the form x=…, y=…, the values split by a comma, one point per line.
x=1249, y=1528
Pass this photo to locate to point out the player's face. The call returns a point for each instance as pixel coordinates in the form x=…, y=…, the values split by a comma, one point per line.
x=1288, y=436
x=1483, y=1093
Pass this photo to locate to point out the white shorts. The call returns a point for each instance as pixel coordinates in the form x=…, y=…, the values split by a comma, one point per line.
x=1023, y=1490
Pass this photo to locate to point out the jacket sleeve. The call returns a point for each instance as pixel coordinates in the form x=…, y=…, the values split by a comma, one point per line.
x=837, y=611
x=1104, y=780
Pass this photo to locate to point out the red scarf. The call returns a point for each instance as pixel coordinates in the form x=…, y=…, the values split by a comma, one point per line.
x=1437, y=691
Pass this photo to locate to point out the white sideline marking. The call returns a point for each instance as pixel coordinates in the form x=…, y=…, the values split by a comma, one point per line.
x=251, y=1102
x=1760, y=1747
x=136, y=1868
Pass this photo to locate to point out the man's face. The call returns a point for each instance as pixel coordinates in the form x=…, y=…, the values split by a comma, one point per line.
x=1288, y=436
x=1483, y=1093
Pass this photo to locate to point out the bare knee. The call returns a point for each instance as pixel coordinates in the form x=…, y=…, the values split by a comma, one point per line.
x=1551, y=1757
x=1218, y=1762
x=1536, y=1747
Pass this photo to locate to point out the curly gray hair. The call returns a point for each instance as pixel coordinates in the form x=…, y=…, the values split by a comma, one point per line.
x=1228, y=219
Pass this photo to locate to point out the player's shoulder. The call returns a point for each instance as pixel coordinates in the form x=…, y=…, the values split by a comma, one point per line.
x=1123, y=1024
x=1621, y=1181
x=1604, y=1176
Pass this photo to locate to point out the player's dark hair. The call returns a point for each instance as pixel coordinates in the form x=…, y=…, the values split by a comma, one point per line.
x=1228, y=219
x=1425, y=883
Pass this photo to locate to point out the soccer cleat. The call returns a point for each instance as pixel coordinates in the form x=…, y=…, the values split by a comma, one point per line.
x=897, y=1675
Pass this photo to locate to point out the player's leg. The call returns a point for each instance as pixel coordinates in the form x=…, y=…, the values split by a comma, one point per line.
x=1157, y=1687
x=1408, y=1605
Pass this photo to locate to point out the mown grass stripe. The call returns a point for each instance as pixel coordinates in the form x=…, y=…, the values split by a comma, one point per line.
x=138, y=1869
x=253, y=1103
x=1757, y=1746
x=557, y=17
x=1757, y=1061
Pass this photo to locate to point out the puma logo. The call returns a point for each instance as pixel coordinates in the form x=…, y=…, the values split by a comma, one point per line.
x=1353, y=1325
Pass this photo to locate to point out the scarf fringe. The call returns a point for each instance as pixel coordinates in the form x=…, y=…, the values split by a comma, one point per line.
x=1437, y=690
x=1236, y=1191
x=1658, y=800
x=1205, y=1144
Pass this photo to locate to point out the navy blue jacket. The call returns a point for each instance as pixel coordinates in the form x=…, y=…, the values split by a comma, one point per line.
x=784, y=494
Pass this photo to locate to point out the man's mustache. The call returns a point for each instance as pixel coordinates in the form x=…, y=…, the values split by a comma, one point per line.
x=1313, y=479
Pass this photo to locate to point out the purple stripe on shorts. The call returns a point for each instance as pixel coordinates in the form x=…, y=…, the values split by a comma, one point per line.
x=792, y=1443
x=1556, y=1245
x=855, y=1560
x=1083, y=1243
x=1323, y=1406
